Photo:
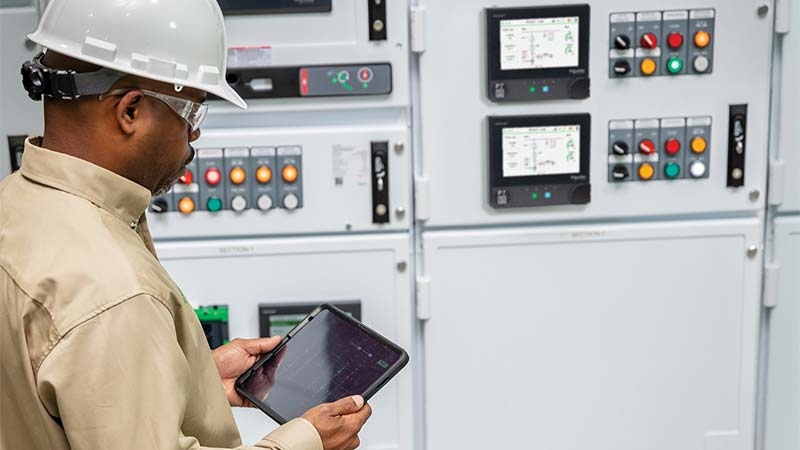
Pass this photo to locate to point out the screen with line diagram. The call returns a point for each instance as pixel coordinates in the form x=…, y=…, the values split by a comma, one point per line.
x=328, y=359
x=546, y=150
x=540, y=43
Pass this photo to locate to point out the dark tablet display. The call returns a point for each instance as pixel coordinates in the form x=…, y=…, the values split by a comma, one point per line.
x=326, y=357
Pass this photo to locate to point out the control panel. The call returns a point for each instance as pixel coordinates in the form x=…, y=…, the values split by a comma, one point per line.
x=309, y=81
x=238, y=179
x=661, y=43
x=659, y=149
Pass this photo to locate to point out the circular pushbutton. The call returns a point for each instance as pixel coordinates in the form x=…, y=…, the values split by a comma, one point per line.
x=187, y=177
x=699, y=144
x=237, y=175
x=365, y=74
x=622, y=68
x=214, y=204
x=289, y=173
x=649, y=40
x=672, y=170
x=700, y=64
x=648, y=66
x=674, y=65
x=646, y=171
x=380, y=209
x=675, y=40
x=239, y=203
x=697, y=169
x=620, y=148
x=264, y=174
x=343, y=76
x=702, y=39
x=159, y=206
x=290, y=201
x=213, y=176
x=622, y=42
x=186, y=205
x=647, y=147
x=672, y=146
x=619, y=173
x=264, y=202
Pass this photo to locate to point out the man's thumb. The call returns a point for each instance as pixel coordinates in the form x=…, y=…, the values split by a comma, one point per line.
x=347, y=405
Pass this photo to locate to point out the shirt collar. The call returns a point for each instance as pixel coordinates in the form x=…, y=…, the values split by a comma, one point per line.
x=118, y=195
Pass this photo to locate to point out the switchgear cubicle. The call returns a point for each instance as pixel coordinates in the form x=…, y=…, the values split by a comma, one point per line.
x=578, y=218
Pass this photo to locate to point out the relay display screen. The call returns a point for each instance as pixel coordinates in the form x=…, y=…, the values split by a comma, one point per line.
x=328, y=359
x=539, y=43
x=544, y=150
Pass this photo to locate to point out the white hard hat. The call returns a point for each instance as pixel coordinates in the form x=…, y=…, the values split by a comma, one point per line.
x=181, y=42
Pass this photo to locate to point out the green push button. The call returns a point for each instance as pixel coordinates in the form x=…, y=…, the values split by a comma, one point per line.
x=674, y=65
x=214, y=204
x=532, y=89
x=535, y=196
x=672, y=170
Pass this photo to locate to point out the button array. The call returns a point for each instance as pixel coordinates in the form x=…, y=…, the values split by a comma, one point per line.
x=666, y=43
x=237, y=179
x=658, y=149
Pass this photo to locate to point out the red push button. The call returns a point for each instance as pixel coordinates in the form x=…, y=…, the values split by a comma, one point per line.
x=672, y=146
x=213, y=176
x=675, y=40
x=647, y=147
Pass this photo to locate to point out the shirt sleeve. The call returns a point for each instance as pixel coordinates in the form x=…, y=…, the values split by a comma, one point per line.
x=117, y=381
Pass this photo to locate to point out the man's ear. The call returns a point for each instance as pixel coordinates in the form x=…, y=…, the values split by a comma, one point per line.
x=128, y=111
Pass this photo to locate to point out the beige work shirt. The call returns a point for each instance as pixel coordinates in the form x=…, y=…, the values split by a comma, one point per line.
x=99, y=348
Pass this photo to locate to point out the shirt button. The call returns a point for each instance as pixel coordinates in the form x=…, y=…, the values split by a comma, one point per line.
x=133, y=224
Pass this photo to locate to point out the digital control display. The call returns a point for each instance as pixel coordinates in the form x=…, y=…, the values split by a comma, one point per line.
x=539, y=43
x=539, y=160
x=537, y=53
x=535, y=151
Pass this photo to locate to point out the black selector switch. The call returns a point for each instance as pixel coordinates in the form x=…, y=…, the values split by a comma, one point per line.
x=622, y=42
x=620, y=173
x=622, y=67
x=620, y=148
x=159, y=206
x=380, y=182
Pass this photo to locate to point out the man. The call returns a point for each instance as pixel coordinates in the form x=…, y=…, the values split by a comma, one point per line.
x=99, y=348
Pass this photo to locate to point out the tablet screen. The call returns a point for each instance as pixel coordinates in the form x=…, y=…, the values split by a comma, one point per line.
x=328, y=359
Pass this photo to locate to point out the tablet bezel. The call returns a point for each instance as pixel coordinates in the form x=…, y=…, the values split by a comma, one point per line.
x=390, y=372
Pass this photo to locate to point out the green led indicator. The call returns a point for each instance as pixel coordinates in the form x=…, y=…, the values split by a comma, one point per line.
x=535, y=196
x=365, y=85
x=214, y=204
x=333, y=80
x=532, y=89
x=674, y=65
x=672, y=170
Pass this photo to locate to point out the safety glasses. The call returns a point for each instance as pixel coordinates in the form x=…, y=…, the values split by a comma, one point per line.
x=190, y=111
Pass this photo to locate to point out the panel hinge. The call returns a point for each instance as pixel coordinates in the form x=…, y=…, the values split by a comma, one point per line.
x=783, y=16
x=422, y=196
x=771, y=278
x=417, y=18
x=423, y=298
x=776, y=182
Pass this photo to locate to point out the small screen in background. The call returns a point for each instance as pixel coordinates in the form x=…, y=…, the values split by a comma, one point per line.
x=546, y=150
x=539, y=43
x=327, y=360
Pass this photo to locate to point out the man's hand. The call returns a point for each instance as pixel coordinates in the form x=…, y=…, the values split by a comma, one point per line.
x=338, y=423
x=234, y=358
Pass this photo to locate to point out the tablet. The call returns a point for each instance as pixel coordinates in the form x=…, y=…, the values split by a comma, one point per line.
x=328, y=356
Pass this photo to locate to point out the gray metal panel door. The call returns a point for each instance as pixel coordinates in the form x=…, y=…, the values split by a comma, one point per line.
x=244, y=273
x=783, y=382
x=619, y=337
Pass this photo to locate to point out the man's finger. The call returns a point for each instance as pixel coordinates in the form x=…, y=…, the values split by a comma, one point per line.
x=260, y=346
x=347, y=405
